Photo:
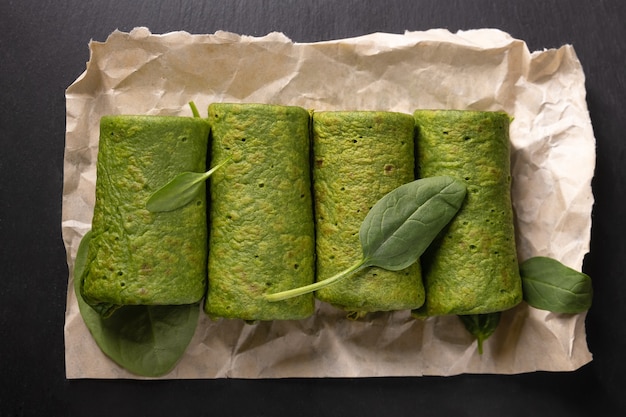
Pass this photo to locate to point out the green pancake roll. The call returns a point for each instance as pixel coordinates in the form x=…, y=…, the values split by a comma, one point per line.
x=261, y=217
x=359, y=157
x=136, y=257
x=472, y=268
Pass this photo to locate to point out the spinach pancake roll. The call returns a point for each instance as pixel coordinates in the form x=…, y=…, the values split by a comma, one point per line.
x=358, y=158
x=137, y=257
x=261, y=217
x=472, y=268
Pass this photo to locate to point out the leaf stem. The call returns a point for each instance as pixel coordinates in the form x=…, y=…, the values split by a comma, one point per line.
x=215, y=168
x=284, y=295
x=194, y=109
x=479, y=340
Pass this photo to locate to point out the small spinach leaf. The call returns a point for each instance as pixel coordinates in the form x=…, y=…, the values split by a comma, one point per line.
x=146, y=340
x=399, y=228
x=481, y=326
x=549, y=285
x=180, y=190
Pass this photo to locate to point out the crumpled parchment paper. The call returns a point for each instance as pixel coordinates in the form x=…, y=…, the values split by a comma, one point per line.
x=553, y=160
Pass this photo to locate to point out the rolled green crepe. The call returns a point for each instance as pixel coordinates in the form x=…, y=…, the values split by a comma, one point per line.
x=472, y=268
x=261, y=230
x=358, y=158
x=137, y=257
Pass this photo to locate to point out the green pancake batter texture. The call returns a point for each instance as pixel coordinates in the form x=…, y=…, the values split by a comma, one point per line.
x=262, y=237
x=358, y=158
x=472, y=268
x=137, y=257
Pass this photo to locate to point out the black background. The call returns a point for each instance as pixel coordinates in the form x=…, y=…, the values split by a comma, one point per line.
x=44, y=48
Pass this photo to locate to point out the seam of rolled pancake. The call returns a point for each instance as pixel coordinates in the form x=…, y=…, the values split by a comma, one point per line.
x=472, y=268
x=358, y=158
x=262, y=237
x=137, y=257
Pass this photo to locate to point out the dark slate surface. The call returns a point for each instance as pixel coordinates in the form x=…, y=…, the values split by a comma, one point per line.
x=43, y=48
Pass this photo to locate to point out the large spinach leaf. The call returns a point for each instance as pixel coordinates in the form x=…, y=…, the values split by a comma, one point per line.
x=399, y=228
x=146, y=340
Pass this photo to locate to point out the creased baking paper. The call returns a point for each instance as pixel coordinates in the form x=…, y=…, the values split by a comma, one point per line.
x=553, y=160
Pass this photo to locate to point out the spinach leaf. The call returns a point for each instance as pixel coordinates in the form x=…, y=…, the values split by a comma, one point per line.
x=399, y=228
x=146, y=340
x=401, y=225
x=549, y=285
x=481, y=326
x=180, y=190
